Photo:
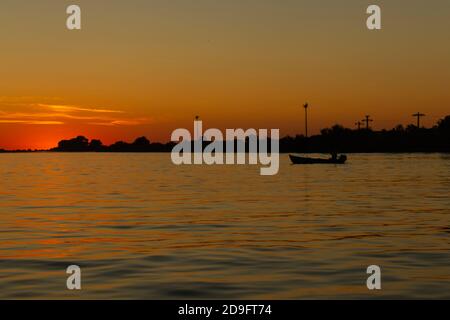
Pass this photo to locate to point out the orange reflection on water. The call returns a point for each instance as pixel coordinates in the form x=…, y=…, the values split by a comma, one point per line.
x=144, y=228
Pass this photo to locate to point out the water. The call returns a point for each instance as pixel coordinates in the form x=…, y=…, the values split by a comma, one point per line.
x=140, y=227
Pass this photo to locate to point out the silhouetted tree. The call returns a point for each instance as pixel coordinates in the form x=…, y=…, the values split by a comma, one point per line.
x=444, y=127
x=119, y=146
x=78, y=144
x=96, y=145
x=141, y=144
x=334, y=139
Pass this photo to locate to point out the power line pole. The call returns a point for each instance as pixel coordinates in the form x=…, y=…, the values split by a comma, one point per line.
x=359, y=123
x=306, y=119
x=418, y=115
x=367, y=120
x=197, y=133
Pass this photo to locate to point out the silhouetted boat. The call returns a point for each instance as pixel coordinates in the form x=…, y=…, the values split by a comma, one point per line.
x=304, y=160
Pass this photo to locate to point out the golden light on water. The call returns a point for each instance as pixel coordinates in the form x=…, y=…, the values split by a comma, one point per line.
x=165, y=228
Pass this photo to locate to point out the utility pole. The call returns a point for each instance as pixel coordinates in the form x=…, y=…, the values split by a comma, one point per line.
x=197, y=133
x=367, y=120
x=359, y=123
x=418, y=115
x=306, y=119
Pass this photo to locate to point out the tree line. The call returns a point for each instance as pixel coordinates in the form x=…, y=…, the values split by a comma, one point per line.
x=334, y=139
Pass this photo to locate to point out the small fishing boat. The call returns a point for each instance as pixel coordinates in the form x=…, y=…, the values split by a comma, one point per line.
x=304, y=160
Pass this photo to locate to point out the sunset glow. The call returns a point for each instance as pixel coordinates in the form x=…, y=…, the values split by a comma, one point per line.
x=149, y=68
x=224, y=159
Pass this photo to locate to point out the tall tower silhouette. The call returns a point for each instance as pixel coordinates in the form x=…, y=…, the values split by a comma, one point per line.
x=367, y=120
x=305, y=106
x=418, y=115
x=197, y=133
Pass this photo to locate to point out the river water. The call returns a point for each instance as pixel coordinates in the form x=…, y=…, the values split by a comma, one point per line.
x=141, y=227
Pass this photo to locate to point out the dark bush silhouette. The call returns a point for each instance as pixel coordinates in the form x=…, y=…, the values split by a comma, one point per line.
x=119, y=146
x=141, y=142
x=444, y=127
x=96, y=145
x=77, y=144
x=334, y=139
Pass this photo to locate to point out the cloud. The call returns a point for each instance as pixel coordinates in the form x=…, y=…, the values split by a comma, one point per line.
x=68, y=108
x=21, y=115
x=41, y=122
x=29, y=112
x=121, y=122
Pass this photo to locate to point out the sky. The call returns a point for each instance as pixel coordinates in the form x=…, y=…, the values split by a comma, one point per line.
x=148, y=67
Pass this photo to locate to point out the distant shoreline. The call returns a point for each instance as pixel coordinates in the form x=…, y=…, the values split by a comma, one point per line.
x=337, y=139
x=281, y=152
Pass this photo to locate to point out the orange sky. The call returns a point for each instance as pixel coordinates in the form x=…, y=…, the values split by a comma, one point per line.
x=148, y=67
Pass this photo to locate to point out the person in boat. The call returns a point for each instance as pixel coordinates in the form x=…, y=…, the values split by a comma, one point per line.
x=334, y=156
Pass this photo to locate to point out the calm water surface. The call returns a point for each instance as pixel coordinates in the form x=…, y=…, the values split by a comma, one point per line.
x=140, y=227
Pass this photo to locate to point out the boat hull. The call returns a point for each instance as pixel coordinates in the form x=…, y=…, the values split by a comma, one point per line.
x=304, y=160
